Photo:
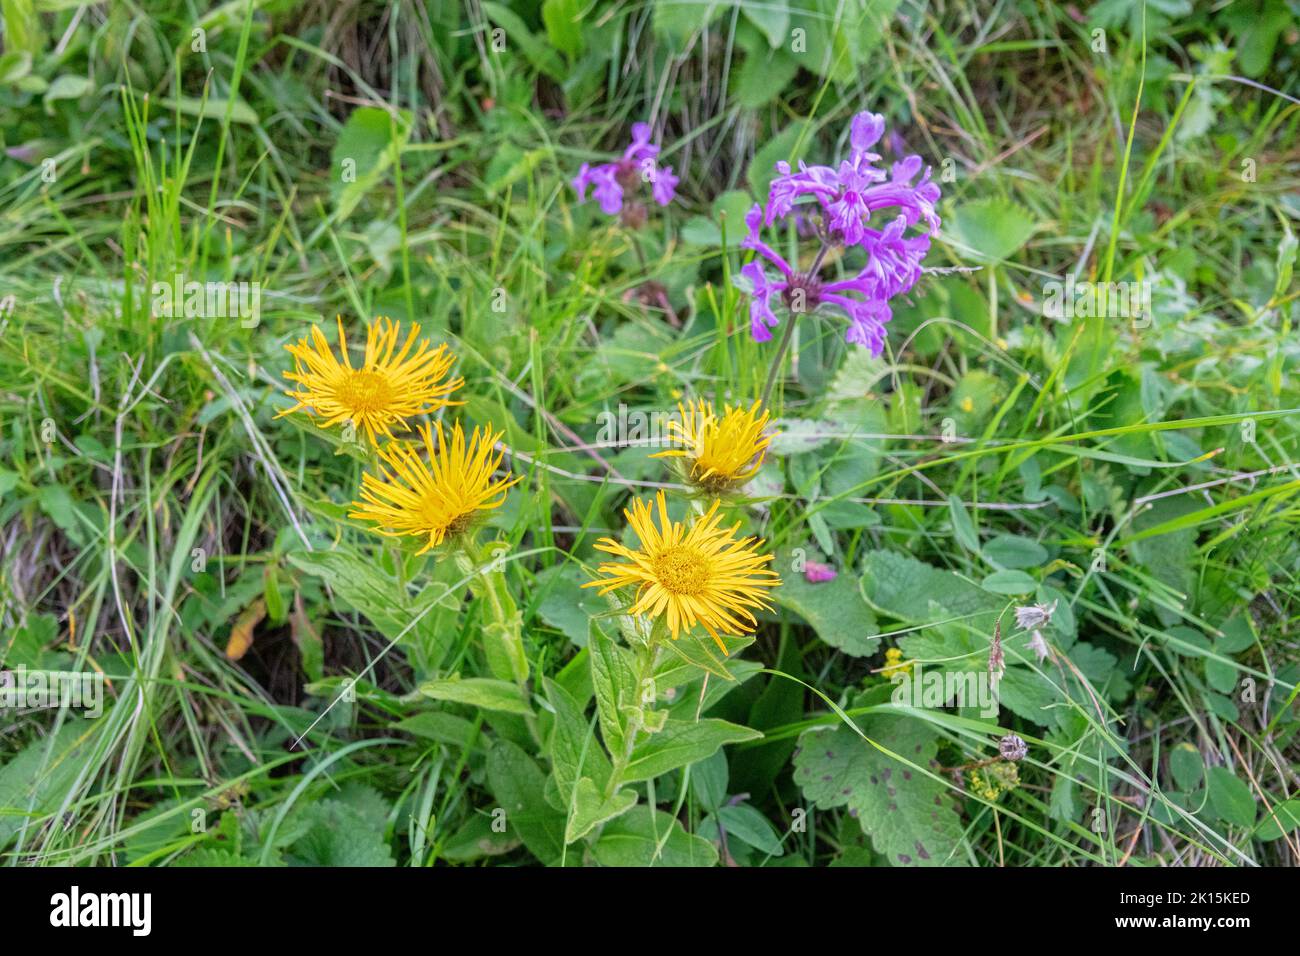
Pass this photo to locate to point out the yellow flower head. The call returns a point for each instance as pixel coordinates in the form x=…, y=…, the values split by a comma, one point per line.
x=723, y=453
x=437, y=499
x=894, y=663
x=993, y=781
x=391, y=385
x=701, y=573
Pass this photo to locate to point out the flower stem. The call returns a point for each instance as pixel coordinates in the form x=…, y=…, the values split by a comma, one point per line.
x=788, y=334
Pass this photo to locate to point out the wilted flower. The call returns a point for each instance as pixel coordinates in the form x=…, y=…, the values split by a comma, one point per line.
x=847, y=199
x=817, y=573
x=1012, y=747
x=1038, y=645
x=997, y=660
x=1034, y=615
x=609, y=182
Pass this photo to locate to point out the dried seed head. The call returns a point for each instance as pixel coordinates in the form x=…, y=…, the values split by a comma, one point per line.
x=1012, y=747
x=1034, y=615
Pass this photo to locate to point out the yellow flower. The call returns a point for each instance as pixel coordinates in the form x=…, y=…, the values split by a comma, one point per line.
x=696, y=574
x=437, y=499
x=723, y=453
x=894, y=663
x=993, y=781
x=390, y=386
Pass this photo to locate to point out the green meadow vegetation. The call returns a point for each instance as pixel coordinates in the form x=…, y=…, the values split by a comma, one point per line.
x=1067, y=484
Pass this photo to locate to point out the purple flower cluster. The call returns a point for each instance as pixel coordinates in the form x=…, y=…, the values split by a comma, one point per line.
x=845, y=201
x=610, y=181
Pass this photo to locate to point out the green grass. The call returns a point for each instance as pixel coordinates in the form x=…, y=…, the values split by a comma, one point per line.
x=1142, y=476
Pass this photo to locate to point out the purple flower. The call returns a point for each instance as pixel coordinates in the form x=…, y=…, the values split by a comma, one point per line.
x=609, y=182
x=817, y=573
x=857, y=204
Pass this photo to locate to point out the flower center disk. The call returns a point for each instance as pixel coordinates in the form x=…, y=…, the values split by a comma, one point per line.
x=681, y=571
x=365, y=390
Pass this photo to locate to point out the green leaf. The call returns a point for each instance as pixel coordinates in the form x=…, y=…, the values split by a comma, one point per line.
x=962, y=526
x=1009, y=582
x=482, y=692
x=367, y=145
x=745, y=823
x=1186, y=765
x=1284, y=818
x=835, y=610
x=573, y=749
x=563, y=25
x=445, y=728
x=541, y=56
x=905, y=588
x=66, y=87
x=1230, y=797
x=476, y=839
x=357, y=581
x=37, y=776
x=679, y=20
x=613, y=679
x=340, y=835
x=1014, y=551
x=699, y=651
x=907, y=814
x=709, y=780
x=773, y=19
x=214, y=108
x=682, y=742
x=591, y=809
x=763, y=76
x=519, y=786
x=566, y=605
x=647, y=837
x=990, y=229
x=762, y=170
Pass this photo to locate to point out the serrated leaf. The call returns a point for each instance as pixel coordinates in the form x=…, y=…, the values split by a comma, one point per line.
x=903, y=587
x=907, y=814
x=834, y=609
x=990, y=229
x=339, y=835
